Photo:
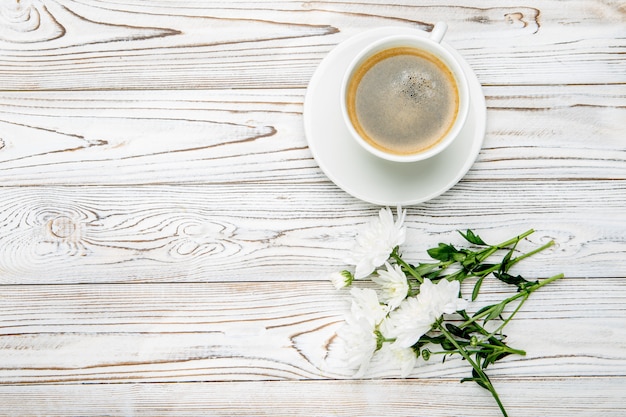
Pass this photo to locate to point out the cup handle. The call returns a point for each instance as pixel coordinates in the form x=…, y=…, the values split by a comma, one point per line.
x=438, y=31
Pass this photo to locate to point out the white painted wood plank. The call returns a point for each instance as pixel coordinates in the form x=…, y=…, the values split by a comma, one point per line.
x=225, y=136
x=126, y=45
x=273, y=331
x=585, y=397
x=285, y=232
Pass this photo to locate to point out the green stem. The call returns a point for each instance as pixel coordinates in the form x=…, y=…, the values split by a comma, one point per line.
x=514, y=239
x=508, y=319
x=524, y=293
x=483, y=377
x=407, y=267
x=502, y=348
x=487, y=252
x=516, y=260
x=531, y=253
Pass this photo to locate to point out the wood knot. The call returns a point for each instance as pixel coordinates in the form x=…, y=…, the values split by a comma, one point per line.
x=515, y=19
x=17, y=11
x=527, y=19
x=62, y=227
x=25, y=22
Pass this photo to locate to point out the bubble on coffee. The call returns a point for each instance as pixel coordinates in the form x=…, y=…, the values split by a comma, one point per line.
x=403, y=100
x=415, y=85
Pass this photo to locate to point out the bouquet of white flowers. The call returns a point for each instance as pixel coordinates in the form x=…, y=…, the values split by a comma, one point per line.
x=417, y=307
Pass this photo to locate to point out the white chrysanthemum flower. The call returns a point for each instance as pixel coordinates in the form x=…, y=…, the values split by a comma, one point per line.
x=399, y=357
x=416, y=315
x=365, y=305
x=393, y=283
x=410, y=321
x=341, y=279
x=442, y=297
x=355, y=345
x=376, y=241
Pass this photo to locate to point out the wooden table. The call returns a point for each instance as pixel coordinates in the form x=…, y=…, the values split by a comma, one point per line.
x=166, y=234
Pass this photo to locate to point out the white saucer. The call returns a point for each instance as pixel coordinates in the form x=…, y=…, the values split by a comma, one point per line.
x=365, y=176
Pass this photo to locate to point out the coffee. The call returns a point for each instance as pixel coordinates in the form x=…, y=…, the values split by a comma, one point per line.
x=402, y=100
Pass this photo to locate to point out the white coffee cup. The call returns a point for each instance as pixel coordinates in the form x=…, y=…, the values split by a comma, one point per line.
x=432, y=83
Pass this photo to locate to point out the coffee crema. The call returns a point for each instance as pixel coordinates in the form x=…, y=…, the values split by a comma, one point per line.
x=402, y=100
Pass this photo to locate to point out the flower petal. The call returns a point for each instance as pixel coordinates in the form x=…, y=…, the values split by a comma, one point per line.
x=375, y=242
x=393, y=283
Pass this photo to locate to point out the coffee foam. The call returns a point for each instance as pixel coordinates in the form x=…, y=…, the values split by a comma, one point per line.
x=415, y=85
x=403, y=100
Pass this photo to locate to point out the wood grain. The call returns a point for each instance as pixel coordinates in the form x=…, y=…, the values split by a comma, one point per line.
x=100, y=45
x=420, y=398
x=271, y=331
x=276, y=233
x=134, y=138
x=166, y=235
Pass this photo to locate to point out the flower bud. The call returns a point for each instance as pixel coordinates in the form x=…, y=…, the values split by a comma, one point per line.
x=341, y=279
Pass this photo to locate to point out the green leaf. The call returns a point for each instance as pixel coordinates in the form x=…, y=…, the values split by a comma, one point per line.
x=431, y=276
x=448, y=345
x=482, y=310
x=469, y=261
x=425, y=269
x=506, y=261
x=457, y=331
x=428, y=270
x=443, y=252
x=493, y=357
x=471, y=237
x=518, y=281
x=527, y=285
x=473, y=328
x=459, y=275
x=495, y=312
x=477, y=286
x=425, y=339
x=476, y=378
x=480, y=269
x=459, y=256
x=508, y=278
